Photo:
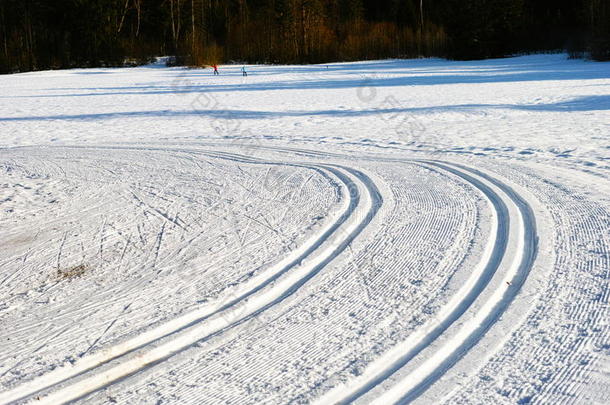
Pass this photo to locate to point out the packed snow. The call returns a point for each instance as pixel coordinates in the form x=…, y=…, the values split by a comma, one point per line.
x=394, y=231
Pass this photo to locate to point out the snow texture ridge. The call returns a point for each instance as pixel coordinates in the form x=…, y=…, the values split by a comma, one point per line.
x=401, y=231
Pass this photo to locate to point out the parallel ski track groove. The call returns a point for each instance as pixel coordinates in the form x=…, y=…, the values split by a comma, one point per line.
x=530, y=251
x=376, y=200
x=501, y=239
x=343, y=395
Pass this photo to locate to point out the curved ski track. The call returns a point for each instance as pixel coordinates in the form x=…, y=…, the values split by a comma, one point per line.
x=509, y=255
x=73, y=381
x=510, y=252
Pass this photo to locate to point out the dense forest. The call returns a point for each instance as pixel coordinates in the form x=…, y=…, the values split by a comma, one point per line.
x=43, y=34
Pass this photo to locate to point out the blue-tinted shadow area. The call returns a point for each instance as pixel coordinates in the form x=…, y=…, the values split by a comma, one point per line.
x=425, y=72
x=587, y=103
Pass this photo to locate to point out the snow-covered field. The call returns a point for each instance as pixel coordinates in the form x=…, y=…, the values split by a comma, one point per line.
x=375, y=232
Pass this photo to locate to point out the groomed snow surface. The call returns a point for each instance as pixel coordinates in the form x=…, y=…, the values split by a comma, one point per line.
x=378, y=232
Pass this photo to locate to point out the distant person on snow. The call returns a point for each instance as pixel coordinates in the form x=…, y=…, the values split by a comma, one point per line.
x=243, y=71
x=215, y=69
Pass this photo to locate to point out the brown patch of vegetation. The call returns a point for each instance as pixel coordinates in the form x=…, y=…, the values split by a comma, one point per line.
x=72, y=272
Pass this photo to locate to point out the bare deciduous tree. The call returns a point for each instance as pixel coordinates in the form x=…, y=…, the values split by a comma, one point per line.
x=175, y=20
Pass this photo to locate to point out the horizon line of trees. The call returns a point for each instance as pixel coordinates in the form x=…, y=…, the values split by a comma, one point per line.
x=50, y=34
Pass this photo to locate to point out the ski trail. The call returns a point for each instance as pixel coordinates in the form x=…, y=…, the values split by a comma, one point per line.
x=359, y=207
x=511, y=250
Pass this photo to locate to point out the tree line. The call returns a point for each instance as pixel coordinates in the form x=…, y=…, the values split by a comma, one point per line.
x=46, y=34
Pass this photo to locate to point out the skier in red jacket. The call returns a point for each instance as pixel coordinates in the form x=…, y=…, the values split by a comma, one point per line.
x=215, y=69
